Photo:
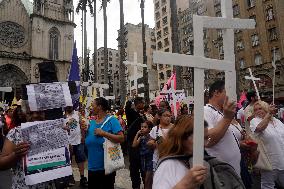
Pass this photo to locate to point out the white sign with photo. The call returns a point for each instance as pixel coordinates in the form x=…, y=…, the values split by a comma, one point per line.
x=48, y=157
x=43, y=96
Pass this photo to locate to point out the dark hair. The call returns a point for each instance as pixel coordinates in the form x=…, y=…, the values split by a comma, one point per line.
x=166, y=103
x=149, y=124
x=218, y=86
x=103, y=103
x=250, y=95
x=138, y=100
x=161, y=111
x=16, y=118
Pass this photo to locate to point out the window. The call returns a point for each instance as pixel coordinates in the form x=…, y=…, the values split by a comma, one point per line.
x=219, y=34
x=161, y=66
x=240, y=45
x=160, y=45
x=250, y=3
x=221, y=50
x=110, y=65
x=158, y=16
x=165, y=20
x=169, y=73
x=272, y=34
x=164, y=10
x=110, y=53
x=167, y=50
x=275, y=54
x=166, y=31
x=258, y=59
x=98, y=53
x=157, y=5
x=166, y=41
x=110, y=58
x=161, y=86
x=255, y=40
x=158, y=25
x=164, y=2
x=54, y=37
x=236, y=10
x=161, y=76
x=242, y=63
x=159, y=35
x=269, y=14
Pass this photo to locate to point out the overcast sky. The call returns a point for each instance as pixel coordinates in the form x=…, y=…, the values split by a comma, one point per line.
x=131, y=15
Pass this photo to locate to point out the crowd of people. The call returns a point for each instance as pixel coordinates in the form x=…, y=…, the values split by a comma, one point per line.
x=160, y=147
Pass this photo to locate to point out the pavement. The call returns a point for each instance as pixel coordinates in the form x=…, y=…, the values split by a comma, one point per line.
x=122, y=179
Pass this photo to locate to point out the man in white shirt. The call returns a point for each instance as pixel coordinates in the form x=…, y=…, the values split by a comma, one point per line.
x=219, y=113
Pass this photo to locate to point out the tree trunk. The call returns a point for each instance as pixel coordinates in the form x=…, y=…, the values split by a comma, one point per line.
x=145, y=71
x=83, y=70
x=95, y=59
x=105, y=46
x=175, y=41
x=122, y=82
x=85, y=48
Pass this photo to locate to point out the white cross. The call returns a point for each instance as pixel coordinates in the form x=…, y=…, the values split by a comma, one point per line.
x=251, y=77
x=173, y=93
x=135, y=65
x=200, y=63
x=101, y=87
x=6, y=89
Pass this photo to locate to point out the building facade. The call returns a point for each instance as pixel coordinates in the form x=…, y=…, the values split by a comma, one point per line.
x=113, y=69
x=254, y=49
x=163, y=34
x=33, y=33
x=133, y=44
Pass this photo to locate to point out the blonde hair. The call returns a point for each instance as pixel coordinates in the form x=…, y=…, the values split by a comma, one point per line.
x=263, y=105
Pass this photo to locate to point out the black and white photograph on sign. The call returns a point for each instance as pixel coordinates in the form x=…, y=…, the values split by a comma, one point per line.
x=45, y=135
x=44, y=96
x=48, y=157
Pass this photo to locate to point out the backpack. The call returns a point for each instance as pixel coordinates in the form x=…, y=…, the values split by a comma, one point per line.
x=221, y=175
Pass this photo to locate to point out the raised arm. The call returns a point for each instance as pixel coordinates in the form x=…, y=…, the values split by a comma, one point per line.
x=218, y=131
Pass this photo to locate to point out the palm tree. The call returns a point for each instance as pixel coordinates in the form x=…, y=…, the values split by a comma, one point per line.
x=121, y=39
x=82, y=5
x=95, y=41
x=104, y=6
x=145, y=72
x=175, y=41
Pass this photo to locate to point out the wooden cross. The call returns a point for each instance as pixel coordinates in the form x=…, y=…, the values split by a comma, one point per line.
x=173, y=92
x=135, y=65
x=200, y=63
x=251, y=77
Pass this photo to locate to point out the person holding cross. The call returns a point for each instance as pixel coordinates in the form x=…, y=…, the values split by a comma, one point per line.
x=219, y=113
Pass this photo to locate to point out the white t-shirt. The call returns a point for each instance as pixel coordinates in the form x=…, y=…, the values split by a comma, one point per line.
x=168, y=174
x=72, y=121
x=153, y=135
x=273, y=140
x=241, y=115
x=227, y=149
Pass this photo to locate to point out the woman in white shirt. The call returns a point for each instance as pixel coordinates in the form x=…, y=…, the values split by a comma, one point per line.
x=172, y=173
x=271, y=132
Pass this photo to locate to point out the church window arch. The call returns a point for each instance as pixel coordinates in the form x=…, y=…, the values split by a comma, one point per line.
x=54, y=41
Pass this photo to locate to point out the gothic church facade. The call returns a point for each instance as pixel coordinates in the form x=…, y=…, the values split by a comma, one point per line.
x=33, y=32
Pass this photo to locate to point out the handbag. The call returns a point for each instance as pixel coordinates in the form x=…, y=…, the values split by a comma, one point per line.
x=263, y=161
x=113, y=156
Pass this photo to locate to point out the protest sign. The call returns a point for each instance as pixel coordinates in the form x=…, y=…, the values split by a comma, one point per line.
x=48, y=157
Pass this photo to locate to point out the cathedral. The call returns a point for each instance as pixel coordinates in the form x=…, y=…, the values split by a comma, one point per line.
x=31, y=33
